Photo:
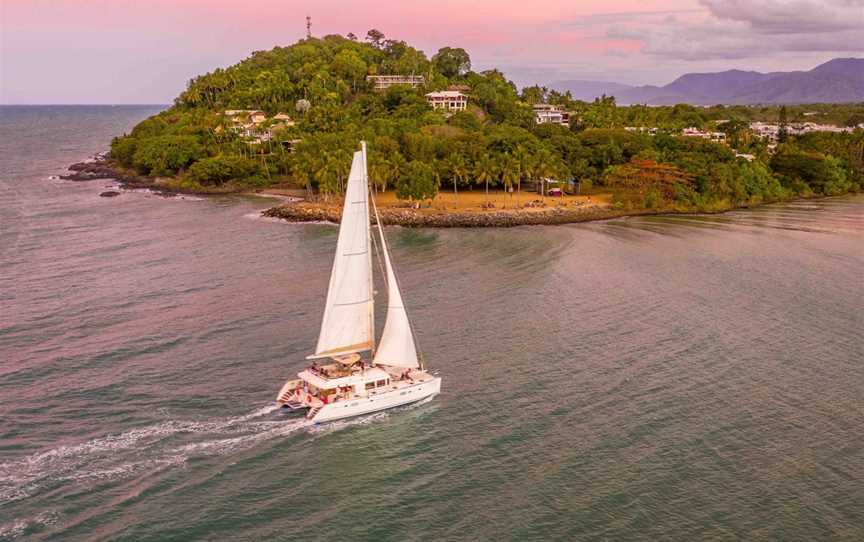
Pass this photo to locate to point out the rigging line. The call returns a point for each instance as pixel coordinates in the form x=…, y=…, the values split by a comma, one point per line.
x=377, y=249
x=420, y=356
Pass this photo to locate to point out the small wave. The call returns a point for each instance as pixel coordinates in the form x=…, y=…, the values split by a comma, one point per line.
x=258, y=216
x=17, y=528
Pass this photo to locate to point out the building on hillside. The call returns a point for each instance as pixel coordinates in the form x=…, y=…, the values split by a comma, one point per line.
x=550, y=114
x=290, y=145
x=771, y=130
x=651, y=131
x=245, y=121
x=254, y=116
x=717, y=137
x=461, y=88
x=383, y=82
x=281, y=121
x=448, y=100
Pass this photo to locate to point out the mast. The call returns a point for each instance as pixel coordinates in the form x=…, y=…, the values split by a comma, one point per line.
x=369, y=244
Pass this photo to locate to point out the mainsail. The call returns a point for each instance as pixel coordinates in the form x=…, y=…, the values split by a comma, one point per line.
x=348, y=323
x=396, y=347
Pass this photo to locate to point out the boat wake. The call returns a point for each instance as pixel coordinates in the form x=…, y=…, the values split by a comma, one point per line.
x=140, y=451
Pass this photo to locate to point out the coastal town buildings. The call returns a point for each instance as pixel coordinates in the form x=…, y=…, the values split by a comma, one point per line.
x=642, y=130
x=550, y=114
x=383, y=82
x=717, y=137
x=253, y=125
x=771, y=130
x=448, y=100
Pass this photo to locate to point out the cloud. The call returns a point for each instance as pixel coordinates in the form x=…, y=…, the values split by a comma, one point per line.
x=738, y=29
x=791, y=16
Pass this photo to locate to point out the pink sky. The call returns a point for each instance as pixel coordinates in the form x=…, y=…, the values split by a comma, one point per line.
x=144, y=51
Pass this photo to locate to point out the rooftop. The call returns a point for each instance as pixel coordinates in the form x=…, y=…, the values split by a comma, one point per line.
x=447, y=94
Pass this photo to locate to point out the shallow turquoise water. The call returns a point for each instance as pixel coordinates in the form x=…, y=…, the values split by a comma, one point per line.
x=674, y=378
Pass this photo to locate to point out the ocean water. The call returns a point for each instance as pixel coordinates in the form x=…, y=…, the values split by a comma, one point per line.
x=667, y=378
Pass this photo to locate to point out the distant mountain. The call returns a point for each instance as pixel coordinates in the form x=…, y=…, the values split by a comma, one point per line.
x=837, y=81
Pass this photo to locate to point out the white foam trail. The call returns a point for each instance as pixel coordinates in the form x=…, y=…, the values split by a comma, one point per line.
x=258, y=216
x=222, y=446
x=97, y=459
x=16, y=528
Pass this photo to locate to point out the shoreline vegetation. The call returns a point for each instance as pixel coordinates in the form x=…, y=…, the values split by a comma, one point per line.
x=288, y=120
x=473, y=209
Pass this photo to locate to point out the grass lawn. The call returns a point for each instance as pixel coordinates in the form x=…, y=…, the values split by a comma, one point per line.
x=474, y=199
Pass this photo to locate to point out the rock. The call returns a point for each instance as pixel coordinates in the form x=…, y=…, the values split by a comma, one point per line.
x=109, y=194
x=88, y=171
x=310, y=212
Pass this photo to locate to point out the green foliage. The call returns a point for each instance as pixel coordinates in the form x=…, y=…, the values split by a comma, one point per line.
x=452, y=63
x=821, y=174
x=653, y=199
x=220, y=169
x=166, y=155
x=417, y=182
x=123, y=150
x=495, y=143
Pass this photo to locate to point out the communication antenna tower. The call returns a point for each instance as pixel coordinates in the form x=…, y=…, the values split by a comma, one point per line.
x=308, y=27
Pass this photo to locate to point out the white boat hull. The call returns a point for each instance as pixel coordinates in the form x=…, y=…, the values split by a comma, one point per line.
x=382, y=400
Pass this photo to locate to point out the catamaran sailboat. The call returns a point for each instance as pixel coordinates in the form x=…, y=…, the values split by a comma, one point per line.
x=348, y=385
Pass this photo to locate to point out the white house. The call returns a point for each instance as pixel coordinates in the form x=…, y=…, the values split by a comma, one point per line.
x=383, y=82
x=448, y=100
x=550, y=114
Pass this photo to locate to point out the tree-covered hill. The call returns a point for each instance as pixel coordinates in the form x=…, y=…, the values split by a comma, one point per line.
x=231, y=127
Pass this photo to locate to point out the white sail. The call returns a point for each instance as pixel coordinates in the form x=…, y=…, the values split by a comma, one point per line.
x=348, y=323
x=396, y=347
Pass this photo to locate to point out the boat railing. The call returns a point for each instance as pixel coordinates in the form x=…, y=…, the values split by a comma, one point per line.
x=289, y=389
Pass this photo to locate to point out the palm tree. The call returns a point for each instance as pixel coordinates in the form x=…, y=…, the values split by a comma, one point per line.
x=526, y=165
x=306, y=165
x=459, y=170
x=510, y=172
x=379, y=169
x=340, y=164
x=395, y=165
x=545, y=167
x=485, y=171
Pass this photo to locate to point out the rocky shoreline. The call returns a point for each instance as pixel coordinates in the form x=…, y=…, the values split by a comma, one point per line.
x=410, y=218
x=100, y=167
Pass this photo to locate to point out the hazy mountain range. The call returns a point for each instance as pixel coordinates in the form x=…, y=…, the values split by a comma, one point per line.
x=836, y=81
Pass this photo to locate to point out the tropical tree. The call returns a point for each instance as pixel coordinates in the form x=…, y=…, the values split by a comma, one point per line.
x=510, y=172
x=544, y=168
x=525, y=163
x=452, y=62
x=485, y=170
x=417, y=182
x=459, y=171
x=375, y=38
